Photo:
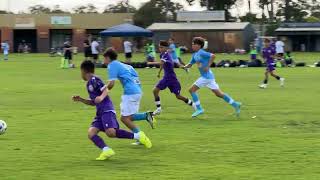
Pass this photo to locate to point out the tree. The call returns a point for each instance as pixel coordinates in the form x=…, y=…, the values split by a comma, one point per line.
x=294, y=11
x=250, y=17
x=39, y=9
x=89, y=8
x=156, y=11
x=224, y=5
x=57, y=9
x=121, y=7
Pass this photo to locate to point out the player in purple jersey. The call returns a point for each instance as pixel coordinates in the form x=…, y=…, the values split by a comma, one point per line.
x=169, y=79
x=105, y=120
x=268, y=54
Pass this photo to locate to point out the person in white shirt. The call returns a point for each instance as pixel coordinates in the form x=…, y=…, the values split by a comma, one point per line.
x=6, y=48
x=280, y=50
x=128, y=50
x=95, y=49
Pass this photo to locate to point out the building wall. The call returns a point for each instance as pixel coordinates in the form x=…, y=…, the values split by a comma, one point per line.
x=219, y=41
x=79, y=25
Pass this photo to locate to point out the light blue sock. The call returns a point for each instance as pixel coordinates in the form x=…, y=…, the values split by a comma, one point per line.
x=139, y=117
x=196, y=100
x=229, y=100
x=136, y=130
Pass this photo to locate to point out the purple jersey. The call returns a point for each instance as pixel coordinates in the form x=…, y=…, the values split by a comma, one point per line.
x=95, y=87
x=268, y=53
x=168, y=66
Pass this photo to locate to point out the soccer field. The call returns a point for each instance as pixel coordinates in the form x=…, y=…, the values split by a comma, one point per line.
x=47, y=132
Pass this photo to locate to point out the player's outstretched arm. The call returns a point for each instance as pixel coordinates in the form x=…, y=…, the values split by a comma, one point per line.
x=84, y=101
x=110, y=84
x=187, y=66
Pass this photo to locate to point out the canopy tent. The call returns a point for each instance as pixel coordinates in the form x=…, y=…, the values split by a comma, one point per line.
x=126, y=30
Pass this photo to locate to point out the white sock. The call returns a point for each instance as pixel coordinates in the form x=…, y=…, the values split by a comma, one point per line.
x=136, y=136
x=105, y=148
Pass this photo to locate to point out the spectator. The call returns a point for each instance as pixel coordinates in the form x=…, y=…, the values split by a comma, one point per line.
x=87, y=48
x=253, y=53
x=288, y=59
x=20, y=48
x=67, y=51
x=280, y=50
x=128, y=50
x=5, y=47
x=95, y=49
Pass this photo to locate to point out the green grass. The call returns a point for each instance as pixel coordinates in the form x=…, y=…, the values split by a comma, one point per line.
x=47, y=134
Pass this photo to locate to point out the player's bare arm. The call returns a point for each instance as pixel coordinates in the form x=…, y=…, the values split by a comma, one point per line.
x=84, y=101
x=100, y=98
x=110, y=84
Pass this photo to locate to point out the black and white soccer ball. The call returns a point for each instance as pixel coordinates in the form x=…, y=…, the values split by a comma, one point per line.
x=3, y=127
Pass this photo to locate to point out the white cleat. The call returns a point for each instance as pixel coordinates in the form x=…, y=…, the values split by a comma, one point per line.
x=263, y=86
x=157, y=112
x=282, y=82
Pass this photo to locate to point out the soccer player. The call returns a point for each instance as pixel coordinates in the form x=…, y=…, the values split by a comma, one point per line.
x=5, y=47
x=173, y=53
x=169, y=79
x=204, y=60
x=130, y=100
x=268, y=54
x=105, y=120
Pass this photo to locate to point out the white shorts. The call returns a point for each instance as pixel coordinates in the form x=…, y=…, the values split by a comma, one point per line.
x=130, y=104
x=209, y=83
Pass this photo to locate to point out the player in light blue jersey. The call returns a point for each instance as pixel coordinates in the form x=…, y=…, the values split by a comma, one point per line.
x=5, y=48
x=204, y=59
x=174, y=55
x=130, y=100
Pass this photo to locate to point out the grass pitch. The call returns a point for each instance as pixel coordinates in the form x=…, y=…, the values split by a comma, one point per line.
x=47, y=132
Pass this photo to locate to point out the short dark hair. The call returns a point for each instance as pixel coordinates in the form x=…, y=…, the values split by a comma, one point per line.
x=164, y=43
x=199, y=41
x=87, y=66
x=267, y=40
x=111, y=53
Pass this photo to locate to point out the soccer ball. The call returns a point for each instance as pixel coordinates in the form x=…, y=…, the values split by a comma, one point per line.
x=3, y=127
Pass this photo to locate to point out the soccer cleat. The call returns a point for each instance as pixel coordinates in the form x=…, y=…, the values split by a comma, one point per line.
x=238, y=108
x=263, y=86
x=282, y=82
x=198, y=112
x=187, y=70
x=106, y=155
x=151, y=119
x=157, y=112
x=145, y=140
x=137, y=143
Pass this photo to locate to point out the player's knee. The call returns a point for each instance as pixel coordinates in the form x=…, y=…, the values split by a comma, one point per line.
x=110, y=132
x=178, y=97
x=191, y=90
x=91, y=133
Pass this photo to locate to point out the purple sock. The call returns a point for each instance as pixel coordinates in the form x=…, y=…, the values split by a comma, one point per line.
x=98, y=141
x=123, y=134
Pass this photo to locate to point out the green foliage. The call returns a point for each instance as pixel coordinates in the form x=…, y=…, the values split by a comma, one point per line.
x=312, y=19
x=120, y=7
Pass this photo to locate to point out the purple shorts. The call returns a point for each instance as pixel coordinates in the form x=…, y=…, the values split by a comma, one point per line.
x=173, y=85
x=270, y=67
x=105, y=121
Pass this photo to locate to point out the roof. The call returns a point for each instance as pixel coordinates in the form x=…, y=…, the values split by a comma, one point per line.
x=299, y=27
x=126, y=30
x=198, y=26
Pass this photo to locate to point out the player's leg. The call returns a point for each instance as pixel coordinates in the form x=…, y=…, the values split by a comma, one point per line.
x=228, y=99
x=193, y=91
x=187, y=101
x=175, y=88
x=265, y=81
x=93, y=131
x=156, y=92
x=277, y=77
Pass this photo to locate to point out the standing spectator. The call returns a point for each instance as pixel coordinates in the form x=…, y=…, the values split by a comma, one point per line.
x=20, y=48
x=95, y=49
x=67, y=51
x=128, y=50
x=280, y=50
x=5, y=47
x=87, y=48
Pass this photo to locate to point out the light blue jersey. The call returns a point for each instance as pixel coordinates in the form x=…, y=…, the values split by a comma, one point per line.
x=126, y=75
x=5, y=47
x=173, y=52
x=202, y=58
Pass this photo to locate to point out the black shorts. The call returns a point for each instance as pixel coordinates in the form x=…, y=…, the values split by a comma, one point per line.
x=95, y=56
x=128, y=55
x=280, y=54
x=68, y=56
x=87, y=53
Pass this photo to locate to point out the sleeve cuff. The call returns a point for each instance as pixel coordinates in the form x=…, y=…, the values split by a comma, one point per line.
x=103, y=88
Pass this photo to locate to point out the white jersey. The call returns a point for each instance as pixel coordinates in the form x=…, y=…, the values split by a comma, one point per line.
x=127, y=46
x=94, y=47
x=279, y=47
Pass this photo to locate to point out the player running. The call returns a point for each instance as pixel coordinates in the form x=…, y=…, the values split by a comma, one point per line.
x=268, y=54
x=204, y=59
x=130, y=100
x=169, y=79
x=173, y=52
x=105, y=120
